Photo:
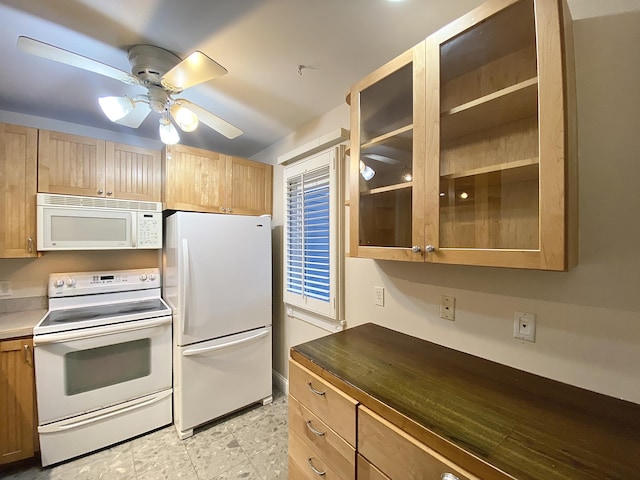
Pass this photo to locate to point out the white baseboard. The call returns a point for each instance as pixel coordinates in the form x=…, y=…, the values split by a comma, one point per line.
x=280, y=382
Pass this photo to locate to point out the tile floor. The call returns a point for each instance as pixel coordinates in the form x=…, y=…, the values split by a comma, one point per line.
x=250, y=444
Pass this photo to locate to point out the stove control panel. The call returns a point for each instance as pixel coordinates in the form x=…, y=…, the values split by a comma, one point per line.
x=88, y=283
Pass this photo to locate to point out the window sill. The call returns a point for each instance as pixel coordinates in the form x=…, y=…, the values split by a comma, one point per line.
x=315, y=319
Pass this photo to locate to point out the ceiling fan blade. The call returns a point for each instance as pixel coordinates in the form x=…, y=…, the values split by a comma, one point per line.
x=196, y=68
x=135, y=118
x=211, y=120
x=44, y=50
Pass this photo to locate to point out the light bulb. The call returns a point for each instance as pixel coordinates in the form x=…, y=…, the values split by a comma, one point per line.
x=184, y=118
x=116, y=108
x=168, y=133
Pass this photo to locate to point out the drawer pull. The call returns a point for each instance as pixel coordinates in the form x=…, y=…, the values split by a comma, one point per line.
x=317, y=392
x=448, y=476
x=314, y=469
x=313, y=430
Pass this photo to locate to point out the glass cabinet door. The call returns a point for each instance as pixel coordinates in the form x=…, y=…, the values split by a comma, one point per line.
x=385, y=196
x=493, y=171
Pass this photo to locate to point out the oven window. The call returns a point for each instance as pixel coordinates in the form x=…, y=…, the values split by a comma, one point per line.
x=95, y=368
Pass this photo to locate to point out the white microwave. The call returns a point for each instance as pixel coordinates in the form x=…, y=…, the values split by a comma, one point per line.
x=68, y=222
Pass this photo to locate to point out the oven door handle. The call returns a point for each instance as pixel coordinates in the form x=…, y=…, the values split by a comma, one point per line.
x=186, y=271
x=201, y=350
x=98, y=417
x=100, y=331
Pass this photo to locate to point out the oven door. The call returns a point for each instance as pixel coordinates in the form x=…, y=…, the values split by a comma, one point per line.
x=83, y=370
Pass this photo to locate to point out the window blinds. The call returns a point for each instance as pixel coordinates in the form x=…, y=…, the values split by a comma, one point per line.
x=308, y=234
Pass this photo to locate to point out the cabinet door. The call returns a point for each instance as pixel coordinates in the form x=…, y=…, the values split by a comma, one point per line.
x=194, y=179
x=18, y=150
x=249, y=187
x=387, y=160
x=70, y=164
x=133, y=173
x=17, y=407
x=496, y=179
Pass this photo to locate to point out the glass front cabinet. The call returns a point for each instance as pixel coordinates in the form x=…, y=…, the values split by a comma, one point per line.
x=463, y=147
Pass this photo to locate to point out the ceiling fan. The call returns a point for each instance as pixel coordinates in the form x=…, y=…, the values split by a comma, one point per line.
x=162, y=73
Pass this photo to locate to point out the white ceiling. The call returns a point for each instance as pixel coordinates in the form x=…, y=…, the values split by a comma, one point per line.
x=260, y=42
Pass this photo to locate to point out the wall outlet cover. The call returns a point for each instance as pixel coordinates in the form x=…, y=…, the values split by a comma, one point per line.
x=524, y=326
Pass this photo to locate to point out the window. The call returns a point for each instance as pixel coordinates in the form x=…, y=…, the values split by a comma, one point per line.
x=311, y=238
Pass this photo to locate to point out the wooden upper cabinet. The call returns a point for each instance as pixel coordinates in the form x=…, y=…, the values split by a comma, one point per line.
x=496, y=159
x=18, y=164
x=18, y=439
x=194, y=179
x=133, y=173
x=75, y=165
x=204, y=181
x=249, y=187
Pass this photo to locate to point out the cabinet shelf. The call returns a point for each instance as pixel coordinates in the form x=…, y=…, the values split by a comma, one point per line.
x=504, y=106
x=396, y=139
x=388, y=188
x=526, y=167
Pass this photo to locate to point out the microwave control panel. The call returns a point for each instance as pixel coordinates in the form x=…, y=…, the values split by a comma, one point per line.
x=149, y=230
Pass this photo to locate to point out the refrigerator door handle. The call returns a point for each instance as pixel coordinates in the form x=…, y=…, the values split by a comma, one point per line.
x=202, y=350
x=186, y=271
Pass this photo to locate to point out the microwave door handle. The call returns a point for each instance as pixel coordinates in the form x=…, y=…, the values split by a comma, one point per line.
x=186, y=274
x=134, y=229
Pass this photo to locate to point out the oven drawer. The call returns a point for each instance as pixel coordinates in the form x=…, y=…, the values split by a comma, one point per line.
x=84, y=370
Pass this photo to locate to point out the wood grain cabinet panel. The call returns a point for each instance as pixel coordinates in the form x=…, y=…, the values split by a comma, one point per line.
x=18, y=174
x=204, y=181
x=75, y=165
x=366, y=471
x=17, y=401
x=478, y=166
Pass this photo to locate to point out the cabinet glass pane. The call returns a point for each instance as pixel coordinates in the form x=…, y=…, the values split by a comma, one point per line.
x=489, y=154
x=385, y=219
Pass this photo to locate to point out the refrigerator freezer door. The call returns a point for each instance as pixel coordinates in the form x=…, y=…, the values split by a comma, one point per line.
x=218, y=274
x=220, y=376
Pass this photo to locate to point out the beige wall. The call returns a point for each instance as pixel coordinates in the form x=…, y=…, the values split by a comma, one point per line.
x=588, y=320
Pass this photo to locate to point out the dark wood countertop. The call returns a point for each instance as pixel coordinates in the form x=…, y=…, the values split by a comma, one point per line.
x=512, y=423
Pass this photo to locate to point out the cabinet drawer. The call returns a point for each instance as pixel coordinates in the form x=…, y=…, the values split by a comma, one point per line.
x=305, y=464
x=331, y=406
x=327, y=444
x=399, y=455
x=366, y=471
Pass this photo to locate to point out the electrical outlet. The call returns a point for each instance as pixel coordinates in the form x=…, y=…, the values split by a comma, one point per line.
x=524, y=326
x=447, y=307
x=378, y=296
x=5, y=288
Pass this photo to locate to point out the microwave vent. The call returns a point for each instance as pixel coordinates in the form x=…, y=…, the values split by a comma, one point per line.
x=95, y=202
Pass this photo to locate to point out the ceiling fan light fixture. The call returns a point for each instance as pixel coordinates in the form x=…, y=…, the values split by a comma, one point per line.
x=366, y=171
x=116, y=108
x=168, y=133
x=184, y=118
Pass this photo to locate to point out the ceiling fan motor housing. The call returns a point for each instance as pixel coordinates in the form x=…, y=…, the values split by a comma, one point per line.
x=150, y=63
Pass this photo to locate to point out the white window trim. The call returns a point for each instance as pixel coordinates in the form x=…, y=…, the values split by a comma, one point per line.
x=328, y=316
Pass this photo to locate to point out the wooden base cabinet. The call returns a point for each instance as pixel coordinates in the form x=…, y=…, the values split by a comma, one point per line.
x=18, y=170
x=203, y=181
x=492, y=163
x=322, y=428
x=75, y=165
x=18, y=436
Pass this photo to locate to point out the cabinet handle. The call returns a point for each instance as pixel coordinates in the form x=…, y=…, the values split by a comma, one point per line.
x=313, y=430
x=317, y=392
x=229, y=209
x=314, y=469
x=30, y=244
x=109, y=192
x=430, y=248
x=416, y=249
x=448, y=476
x=222, y=209
x=100, y=192
x=27, y=354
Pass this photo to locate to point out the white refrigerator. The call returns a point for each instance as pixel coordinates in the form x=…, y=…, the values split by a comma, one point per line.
x=217, y=280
